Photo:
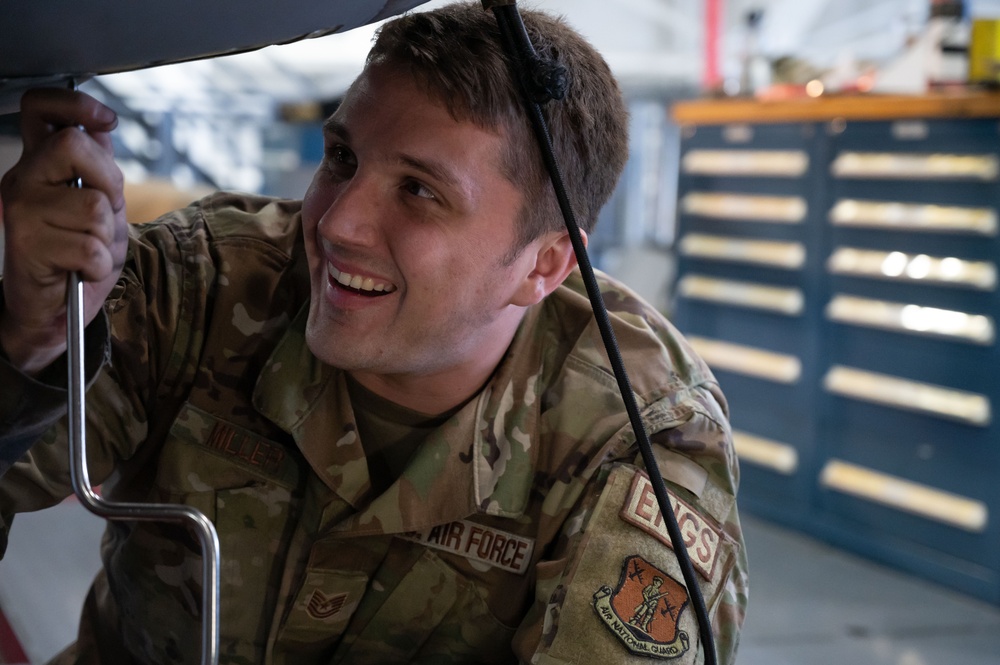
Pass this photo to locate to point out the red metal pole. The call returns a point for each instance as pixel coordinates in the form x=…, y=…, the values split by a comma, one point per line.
x=712, y=79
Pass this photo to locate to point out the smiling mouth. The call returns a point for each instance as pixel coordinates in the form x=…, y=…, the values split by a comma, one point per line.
x=366, y=286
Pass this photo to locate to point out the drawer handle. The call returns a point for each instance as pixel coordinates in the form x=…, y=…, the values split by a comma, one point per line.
x=776, y=456
x=742, y=294
x=755, y=163
x=911, y=319
x=915, y=166
x=894, y=215
x=916, y=268
x=746, y=207
x=928, y=502
x=776, y=254
x=891, y=391
x=748, y=360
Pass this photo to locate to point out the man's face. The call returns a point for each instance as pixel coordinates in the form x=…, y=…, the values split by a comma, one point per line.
x=407, y=223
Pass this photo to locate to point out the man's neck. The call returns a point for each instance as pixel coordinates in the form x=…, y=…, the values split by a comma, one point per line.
x=436, y=392
x=428, y=394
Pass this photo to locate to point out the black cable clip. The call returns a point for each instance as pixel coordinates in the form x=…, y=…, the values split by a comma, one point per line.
x=546, y=79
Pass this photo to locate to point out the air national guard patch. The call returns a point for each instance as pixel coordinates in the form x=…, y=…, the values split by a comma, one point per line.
x=644, y=610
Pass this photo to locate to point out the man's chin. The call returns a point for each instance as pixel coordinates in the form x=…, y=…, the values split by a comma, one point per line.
x=329, y=348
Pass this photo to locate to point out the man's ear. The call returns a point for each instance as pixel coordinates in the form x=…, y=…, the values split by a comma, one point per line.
x=553, y=261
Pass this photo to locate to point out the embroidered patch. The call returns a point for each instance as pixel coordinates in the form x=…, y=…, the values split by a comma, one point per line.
x=644, y=610
x=701, y=537
x=323, y=607
x=469, y=540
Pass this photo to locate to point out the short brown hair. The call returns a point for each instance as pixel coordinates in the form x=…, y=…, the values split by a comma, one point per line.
x=456, y=52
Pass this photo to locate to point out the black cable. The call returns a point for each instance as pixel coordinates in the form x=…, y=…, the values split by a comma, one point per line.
x=541, y=80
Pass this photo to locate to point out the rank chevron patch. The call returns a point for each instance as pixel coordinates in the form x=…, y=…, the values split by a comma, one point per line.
x=324, y=607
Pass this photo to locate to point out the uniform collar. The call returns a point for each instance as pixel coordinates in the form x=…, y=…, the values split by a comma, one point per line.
x=479, y=461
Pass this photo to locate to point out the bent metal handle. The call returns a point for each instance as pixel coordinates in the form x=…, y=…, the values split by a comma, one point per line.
x=149, y=512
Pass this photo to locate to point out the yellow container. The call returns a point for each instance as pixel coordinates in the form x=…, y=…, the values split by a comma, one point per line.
x=984, y=51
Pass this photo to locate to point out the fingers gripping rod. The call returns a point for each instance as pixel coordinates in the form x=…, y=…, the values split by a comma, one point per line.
x=148, y=512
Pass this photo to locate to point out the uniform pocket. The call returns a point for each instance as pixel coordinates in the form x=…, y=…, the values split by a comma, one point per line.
x=433, y=615
x=324, y=605
x=156, y=568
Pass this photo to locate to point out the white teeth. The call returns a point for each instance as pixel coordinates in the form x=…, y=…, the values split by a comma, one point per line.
x=357, y=281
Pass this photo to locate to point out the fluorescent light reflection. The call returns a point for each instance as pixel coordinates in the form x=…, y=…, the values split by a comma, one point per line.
x=952, y=268
x=894, y=264
x=919, y=266
x=945, y=322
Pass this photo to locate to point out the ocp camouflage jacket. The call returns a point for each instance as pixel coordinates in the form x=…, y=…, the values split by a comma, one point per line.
x=522, y=530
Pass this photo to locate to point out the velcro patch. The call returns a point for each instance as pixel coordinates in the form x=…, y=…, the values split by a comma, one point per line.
x=469, y=540
x=701, y=537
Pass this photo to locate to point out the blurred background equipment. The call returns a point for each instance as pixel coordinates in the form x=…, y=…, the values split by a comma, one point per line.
x=837, y=268
x=984, y=52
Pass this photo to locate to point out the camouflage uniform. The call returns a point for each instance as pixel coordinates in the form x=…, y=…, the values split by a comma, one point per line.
x=522, y=530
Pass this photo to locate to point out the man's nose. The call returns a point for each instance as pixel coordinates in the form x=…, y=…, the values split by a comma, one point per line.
x=355, y=212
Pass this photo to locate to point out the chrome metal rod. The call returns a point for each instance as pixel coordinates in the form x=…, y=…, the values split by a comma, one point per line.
x=148, y=512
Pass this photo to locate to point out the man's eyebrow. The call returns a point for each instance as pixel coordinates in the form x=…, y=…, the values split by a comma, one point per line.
x=433, y=169
x=333, y=126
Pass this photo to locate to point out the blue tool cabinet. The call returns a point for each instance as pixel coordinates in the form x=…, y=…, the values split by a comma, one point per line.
x=837, y=268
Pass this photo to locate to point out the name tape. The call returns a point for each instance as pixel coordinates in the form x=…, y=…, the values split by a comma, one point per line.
x=701, y=538
x=469, y=540
x=249, y=449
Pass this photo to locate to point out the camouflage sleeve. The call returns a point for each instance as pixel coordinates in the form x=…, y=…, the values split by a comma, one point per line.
x=613, y=591
x=123, y=371
x=29, y=406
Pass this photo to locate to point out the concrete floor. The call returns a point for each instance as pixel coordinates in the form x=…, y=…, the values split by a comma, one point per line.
x=810, y=604
x=51, y=559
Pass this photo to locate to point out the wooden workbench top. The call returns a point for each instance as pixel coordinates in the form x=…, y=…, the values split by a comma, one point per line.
x=965, y=104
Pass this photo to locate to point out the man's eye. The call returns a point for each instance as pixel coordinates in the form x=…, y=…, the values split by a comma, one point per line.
x=340, y=155
x=414, y=187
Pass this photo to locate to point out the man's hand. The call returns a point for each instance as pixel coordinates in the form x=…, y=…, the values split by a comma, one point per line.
x=52, y=229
